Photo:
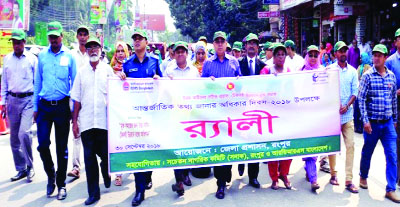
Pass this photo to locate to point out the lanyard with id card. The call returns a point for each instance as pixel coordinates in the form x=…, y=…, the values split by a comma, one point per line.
x=64, y=61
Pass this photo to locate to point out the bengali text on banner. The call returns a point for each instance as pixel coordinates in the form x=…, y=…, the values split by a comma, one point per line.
x=200, y=122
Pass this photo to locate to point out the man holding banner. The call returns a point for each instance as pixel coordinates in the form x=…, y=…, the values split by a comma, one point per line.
x=181, y=69
x=141, y=65
x=218, y=66
x=251, y=65
x=348, y=92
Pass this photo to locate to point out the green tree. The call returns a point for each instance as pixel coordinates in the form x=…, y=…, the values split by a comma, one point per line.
x=204, y=17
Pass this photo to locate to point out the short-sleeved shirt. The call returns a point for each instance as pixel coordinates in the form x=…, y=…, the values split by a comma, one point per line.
x=295, y=63
x=80, y=58
x=229, y=67
x=133, y=68
x=90, y=89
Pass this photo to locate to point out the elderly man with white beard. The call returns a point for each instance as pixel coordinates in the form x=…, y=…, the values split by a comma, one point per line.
x=89, y=94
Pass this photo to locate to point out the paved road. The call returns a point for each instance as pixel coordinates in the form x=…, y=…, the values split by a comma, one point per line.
x=238, y=193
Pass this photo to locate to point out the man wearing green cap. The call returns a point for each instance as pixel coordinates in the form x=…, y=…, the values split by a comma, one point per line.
x=82, y=58
x=268, y=52
x=180, y=68
x=217, y=66
x=53, y=81
x=237, y=48
x=228, y=49
x=89, y=105
x=348, y=93
x=294, y=61
x=378, y=107
x=169, y=57
x=203, y=38
x=393, y=64
x=251, y=65
x=16, y=102
x=141, y=65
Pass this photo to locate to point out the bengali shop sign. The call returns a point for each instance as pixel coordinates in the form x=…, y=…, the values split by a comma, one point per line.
x=180, y=123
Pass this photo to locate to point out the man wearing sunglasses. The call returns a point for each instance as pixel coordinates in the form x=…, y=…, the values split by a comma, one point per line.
x=348, y=93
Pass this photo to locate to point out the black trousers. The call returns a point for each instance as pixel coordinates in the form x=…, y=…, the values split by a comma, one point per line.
x=253, y=169
x=180, y=174
x=223, y=174
x=60, y=116
x=141, y=179
x=95, y=142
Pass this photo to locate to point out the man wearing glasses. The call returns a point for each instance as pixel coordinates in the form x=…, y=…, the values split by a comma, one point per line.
x=90, y=94
x=218, y=66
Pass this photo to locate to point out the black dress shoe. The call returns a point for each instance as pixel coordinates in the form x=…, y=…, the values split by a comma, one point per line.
x=187, y=181
x=92, y=200
x=254, y=182
x=30, y=174
x=19, y=176
x=149, y=185
x=178, y=188
x=241, y=169
x=107, y=182
x=50, y=189
x=137, y=200
x=220, y=194
x=62, y=193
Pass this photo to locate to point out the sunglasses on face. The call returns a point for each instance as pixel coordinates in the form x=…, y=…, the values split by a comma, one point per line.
x=313, y=56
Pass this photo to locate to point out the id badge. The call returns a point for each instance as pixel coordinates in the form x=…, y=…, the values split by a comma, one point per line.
x=64, y=61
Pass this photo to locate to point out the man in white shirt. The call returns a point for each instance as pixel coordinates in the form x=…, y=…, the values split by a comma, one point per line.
x=82, y=58
x=364, y=47
x=293, y=61
x=89, y=93
x=180, y=68
x=168, y=59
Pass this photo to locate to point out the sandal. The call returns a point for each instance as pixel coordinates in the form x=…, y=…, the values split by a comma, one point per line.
x=334, y=180
x=118, y=180
x=352, y=188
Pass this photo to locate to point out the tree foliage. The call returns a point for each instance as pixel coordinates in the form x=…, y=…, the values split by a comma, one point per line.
x=204, y=17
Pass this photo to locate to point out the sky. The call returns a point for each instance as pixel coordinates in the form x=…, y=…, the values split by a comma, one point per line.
x=156, y=7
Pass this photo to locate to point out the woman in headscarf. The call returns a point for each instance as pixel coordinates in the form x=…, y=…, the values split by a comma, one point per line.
x=278, y=169
x=364, y=67
x=312, y=63
x=121, y=52
x=326, y=59
x=200, y=55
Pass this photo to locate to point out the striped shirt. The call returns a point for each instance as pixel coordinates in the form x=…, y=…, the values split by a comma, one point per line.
x=377, y=96
x=348, y=88
x=229, y=67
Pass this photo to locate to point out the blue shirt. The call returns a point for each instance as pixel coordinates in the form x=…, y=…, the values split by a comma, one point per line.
x=377, y=96
x=393, y=64
x=229, y=67
x=133, y=68
x=55, y=75
x=348, y=88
